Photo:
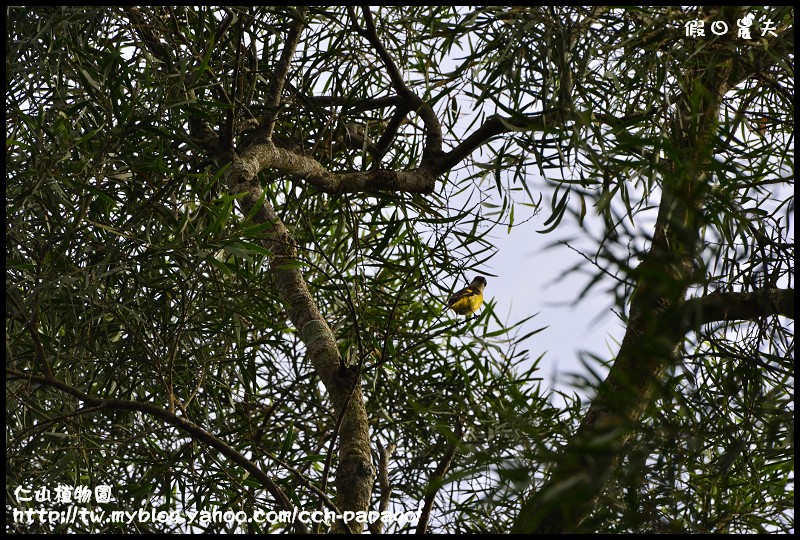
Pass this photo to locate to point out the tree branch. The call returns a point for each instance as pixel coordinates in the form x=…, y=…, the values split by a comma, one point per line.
x=730, y=306
x=355, y=474
x=33, y=328
x=172, y=419
x=389, y=135
x=149, y=36
x=384, y=455
x=492, y=127
x=351, y=105
x=433, y=128
x=278, y=81
x=761, y=56
x=652, y=339
x=437, y=477
x=267, y=155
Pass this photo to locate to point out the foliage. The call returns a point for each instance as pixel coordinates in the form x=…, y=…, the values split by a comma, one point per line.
x=136, y=273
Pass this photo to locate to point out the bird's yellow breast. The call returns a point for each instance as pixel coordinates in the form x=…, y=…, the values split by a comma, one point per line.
x=466, y=302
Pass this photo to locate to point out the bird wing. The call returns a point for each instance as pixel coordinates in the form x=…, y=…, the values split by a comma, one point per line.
x=466, y=292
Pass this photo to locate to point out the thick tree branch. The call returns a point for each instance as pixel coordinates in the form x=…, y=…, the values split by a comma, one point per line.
x=652, y=339
x=423, y=180
x=742, y=306
x=267, y=155
x=174, y=420
x=355, y=474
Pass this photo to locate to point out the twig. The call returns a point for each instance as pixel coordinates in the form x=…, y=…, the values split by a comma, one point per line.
x=384, y=455
x=438, y=476
x=278, y=81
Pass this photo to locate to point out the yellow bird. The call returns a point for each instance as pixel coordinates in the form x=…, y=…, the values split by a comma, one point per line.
x=469, y=299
